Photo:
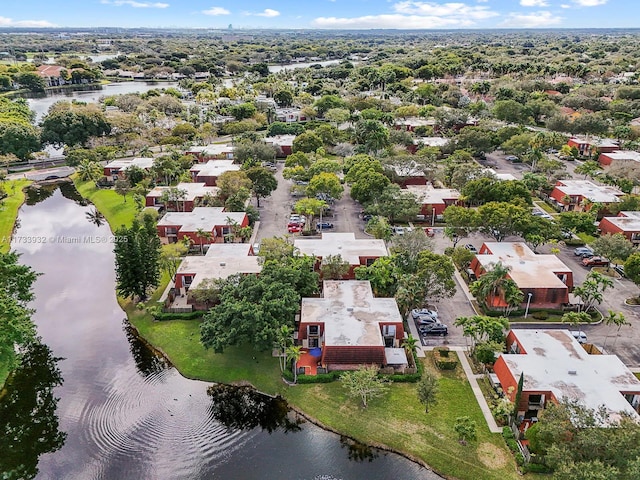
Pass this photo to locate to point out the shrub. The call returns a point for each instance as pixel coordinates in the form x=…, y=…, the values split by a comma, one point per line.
x=507, y=433
x=519, y=459
x=574, y=242
x=536, y=468
x=542, y=315
x=442, y=359
x=513, y=445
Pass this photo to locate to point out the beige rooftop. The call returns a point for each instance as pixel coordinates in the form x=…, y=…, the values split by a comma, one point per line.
x=427, y=195
x=630, y=222
x=556, y=362
x=221, y=261
x=192, y=191
x=527, y=269
x=624, y=155
x=350, y=248
x=214, y=168
x=124, y=163
x=589, y=190
x=206, y=218
x=350, y=313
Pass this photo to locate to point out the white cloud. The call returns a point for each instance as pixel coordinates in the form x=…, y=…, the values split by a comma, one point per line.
x=411, y=14
x=215, y=11
x=410, y=7
x=534, y=3
x=268, y=12
x=589, y=3
x=564, y=5
x=390, y=21
x=10, y=22
x=533, y=20
x=134, y=4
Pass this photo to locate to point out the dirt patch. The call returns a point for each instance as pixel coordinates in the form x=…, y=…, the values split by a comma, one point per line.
x=491, y=456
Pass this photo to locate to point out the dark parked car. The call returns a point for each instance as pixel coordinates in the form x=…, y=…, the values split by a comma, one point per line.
x=595, y=262
x=434, y=329
x=366, y=217
x=620, y=270
x=324, y=225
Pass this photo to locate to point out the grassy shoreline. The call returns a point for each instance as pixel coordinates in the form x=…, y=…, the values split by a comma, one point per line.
x=396, y=423
x=8, y=217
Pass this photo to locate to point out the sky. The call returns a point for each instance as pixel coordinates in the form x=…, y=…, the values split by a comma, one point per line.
x=322, y=14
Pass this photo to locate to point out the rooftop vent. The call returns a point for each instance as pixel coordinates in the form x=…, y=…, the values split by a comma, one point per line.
x=223, y=264
x=349, y=309
x=573, y=372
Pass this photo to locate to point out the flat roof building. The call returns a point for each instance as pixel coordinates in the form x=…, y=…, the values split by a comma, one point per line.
x=545, y=277
x=555, y=366
x=350, y=325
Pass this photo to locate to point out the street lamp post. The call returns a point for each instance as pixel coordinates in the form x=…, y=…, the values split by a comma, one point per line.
x=526, y=312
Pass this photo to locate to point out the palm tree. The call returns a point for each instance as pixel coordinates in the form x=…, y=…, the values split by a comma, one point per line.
x=95, y=217
x=617, y=319
x=489, y=285
x=232, y=230
x=88, y=170
x=202, y=234
x=513, y=296
x=294, y=352
x=411, y=344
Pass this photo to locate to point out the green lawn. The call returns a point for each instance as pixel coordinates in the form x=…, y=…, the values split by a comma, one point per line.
x=115, y=210
x=585, y=237
x=544, y=206
x=9, y=210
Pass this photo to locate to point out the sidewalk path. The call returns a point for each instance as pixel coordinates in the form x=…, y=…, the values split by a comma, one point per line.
x=473, y=381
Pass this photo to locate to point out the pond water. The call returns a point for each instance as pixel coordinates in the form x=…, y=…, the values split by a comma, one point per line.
x=93, y=402
x=40, y=103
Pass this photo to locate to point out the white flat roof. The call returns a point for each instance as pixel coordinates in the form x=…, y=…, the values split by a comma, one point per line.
x=206, y=218
x=427, y=195
x=395, y=356
x=350, y=313
x=346, y=245
x=221, y=261
x=598, y=142
x=215, y=168
x=282, y=140
x=630, y=222
x=213, y=149
x=431, y=141
x=124, y=163
x=622, y=155
x=500, y=176
x=527, y=269
x=193, y=191
x=550, y=357
x=588, y=189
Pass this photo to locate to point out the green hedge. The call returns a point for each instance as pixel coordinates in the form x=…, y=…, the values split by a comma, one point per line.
x=574, y=242
x=198, y=314
x=536, y=468
x=444, y=358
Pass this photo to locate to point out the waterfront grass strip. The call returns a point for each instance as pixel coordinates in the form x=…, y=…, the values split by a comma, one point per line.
x=399, y=421
x=9, y=210
x=112, y=205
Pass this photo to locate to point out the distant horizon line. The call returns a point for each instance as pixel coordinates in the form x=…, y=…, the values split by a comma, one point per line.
x=316, y=29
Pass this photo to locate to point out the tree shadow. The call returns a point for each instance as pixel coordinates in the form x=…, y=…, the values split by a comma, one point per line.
x=244, y=408
x=29, y=426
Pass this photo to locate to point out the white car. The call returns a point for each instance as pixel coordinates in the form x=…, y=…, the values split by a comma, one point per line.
x=423, y=312
x=398, y=230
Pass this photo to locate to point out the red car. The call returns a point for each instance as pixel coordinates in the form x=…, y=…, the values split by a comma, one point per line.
x=295, y=228
x=429, y=232
x=595, y=262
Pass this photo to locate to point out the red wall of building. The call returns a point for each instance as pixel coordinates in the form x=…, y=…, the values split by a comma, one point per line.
x=507, y=380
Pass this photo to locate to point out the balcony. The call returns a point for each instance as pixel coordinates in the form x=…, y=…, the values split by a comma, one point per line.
x=535, y=402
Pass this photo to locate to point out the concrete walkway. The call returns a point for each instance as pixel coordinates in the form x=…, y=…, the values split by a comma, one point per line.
x=473, y=381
